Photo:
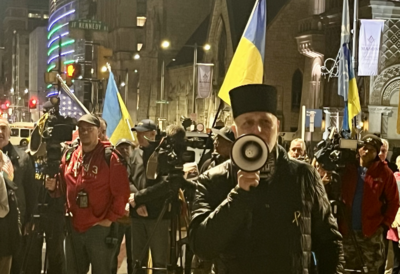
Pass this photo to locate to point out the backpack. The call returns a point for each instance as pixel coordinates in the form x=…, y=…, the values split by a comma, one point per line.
x=108, y=151
x=10, y=225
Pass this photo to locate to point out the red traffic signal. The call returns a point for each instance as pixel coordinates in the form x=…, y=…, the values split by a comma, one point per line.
x=33, y=103
x=73, y=71
x=70, y=70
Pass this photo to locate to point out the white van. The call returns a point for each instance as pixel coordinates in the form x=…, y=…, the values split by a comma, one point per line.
x=21, y=133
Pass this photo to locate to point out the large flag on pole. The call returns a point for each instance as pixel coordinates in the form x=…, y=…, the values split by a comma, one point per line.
x=347, y=86
x=119, y=121
x=247, y=66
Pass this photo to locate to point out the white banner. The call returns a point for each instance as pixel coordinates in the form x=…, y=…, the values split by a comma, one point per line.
x=369, y=46
x=204, y=80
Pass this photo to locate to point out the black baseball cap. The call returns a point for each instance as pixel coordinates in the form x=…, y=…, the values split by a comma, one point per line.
x=226, y=133
x=124, y=141
x=374, y=141
x=145, y=125
x=90, y=119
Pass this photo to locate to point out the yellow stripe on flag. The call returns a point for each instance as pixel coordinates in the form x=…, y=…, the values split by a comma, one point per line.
x=123, y=130
x=246, y=68
x=353, y=101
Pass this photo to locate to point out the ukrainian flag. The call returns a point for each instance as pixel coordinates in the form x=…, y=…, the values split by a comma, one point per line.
x=347, y=85
x=247, y=66
x=353, y=103
x=116, y=114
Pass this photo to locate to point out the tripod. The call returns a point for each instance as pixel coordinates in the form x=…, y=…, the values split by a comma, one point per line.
x=35, y=233
x=338, y=211
x=47, y=223
x=175, y=226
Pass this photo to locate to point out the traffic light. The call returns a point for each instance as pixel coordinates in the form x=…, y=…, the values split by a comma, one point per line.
x=33, y=103
x=72, y=71
x=103, y=57
x=5, y=105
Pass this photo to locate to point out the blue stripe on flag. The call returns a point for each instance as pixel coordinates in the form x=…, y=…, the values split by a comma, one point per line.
x=111, y=110
x=256, y=28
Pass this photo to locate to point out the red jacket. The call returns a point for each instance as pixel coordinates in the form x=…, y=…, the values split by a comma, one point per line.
x=107, y=187
x=380, y=198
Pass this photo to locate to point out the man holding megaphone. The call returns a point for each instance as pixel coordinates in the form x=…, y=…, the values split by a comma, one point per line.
x=261, y=212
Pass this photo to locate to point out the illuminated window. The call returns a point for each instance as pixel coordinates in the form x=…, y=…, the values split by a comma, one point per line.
x=34, y=15
x=140, y=21
x=139, y=46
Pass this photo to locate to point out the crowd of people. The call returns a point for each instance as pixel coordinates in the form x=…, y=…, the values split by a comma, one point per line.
x=293, y=216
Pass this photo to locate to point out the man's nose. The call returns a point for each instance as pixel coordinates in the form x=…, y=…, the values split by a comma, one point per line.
x=256, y=129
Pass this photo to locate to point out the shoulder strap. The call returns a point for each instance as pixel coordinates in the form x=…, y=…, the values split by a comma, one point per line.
x=67, y=155
x=108, y=151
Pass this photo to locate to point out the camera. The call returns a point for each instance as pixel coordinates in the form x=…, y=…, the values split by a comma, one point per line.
x=170, y=153
x=51, y=130
x=336, y=152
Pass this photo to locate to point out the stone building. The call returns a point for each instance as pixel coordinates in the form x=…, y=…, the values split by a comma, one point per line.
x=301, y=35
x=137, y=28
x=20, y=18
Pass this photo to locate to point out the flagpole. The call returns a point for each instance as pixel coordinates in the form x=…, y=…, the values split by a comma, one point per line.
x=355, y=34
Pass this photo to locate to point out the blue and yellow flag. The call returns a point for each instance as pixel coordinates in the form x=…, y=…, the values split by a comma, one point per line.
x=347, y=85
x=116, y=114
x=353, y=103
x=247, y=66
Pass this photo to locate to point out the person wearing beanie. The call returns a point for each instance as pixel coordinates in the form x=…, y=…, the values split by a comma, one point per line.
x=370, y=199
x=268, y=221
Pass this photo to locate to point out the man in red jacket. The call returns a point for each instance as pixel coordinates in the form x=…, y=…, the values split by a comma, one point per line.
x=371, y=200
x=97, y=190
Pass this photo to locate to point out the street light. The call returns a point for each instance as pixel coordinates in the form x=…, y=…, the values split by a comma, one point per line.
x=207, y=47
x=26, y=91
x=165, y=44
x=136, y=56
x=123, y=84
x=104, y=69
x=12, y=90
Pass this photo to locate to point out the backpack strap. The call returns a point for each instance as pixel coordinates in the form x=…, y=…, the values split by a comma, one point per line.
x=108, y=152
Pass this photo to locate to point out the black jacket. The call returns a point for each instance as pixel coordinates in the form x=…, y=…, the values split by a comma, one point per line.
x=24, y=178
x=273, y=228
x=151, y=193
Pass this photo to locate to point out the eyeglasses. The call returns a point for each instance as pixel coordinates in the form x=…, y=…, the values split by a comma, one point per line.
x=85, y=129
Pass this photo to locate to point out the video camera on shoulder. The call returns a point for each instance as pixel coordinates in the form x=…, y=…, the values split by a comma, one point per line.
x=170, y=153
x=51, y=130
x=336, y=152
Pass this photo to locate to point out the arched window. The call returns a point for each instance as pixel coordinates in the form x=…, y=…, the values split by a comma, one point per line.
x=297, y=86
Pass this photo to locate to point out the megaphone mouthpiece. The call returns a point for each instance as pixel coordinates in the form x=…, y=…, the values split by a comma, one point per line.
x=249, y=153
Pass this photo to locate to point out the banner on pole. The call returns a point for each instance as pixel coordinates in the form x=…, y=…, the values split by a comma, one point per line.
x=204, y=80
x=369, y=46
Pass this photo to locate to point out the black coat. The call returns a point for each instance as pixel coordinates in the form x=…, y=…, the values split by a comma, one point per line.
x=24, y=178
x=273, y=228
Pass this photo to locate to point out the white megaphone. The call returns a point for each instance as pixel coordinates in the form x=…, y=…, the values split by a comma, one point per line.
x=249, y=153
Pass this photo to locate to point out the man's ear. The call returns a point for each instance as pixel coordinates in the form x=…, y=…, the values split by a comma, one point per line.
x=234, y=130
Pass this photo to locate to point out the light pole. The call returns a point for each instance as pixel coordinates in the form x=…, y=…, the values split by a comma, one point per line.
x=164, y=45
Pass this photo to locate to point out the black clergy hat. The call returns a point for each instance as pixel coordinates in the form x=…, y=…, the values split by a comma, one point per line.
x=252, y=98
